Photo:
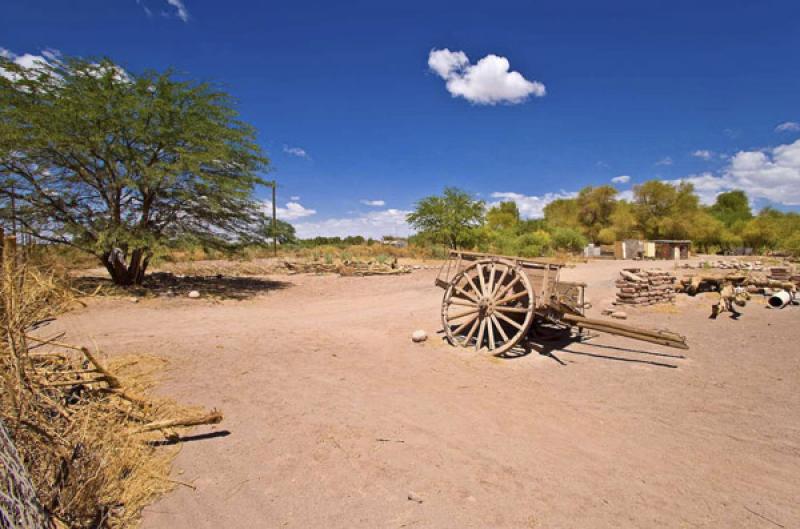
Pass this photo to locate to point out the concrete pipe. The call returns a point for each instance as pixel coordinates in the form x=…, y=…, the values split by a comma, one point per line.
x=779, y=299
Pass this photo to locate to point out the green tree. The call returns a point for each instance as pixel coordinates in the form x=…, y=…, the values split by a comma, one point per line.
x=563, y=213
x=503, y=216
x=450, y=219
x=116, y=164
x=665, y=211
x=623, y=221
x=595, y=207
x=731, y=207
x=283, y=230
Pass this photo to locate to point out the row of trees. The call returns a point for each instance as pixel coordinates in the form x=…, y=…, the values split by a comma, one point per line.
x=658, y=210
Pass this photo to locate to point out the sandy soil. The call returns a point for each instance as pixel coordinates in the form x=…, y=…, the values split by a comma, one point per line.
x=334, y=418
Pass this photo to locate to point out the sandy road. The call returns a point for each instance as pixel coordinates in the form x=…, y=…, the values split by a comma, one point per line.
x=335, y=416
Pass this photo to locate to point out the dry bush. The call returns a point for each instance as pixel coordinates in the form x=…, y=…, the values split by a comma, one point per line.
x=85, y=431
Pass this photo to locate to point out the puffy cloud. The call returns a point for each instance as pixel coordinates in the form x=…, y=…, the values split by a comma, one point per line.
x=621, y=179
x=703, y=153
x=530, y=207
x=788, y=126
x=292, y=211
x=374, y=203
x=665, y=161
x=374, y=224
x=487, y=82
x=770, y=174
x=295, y=151
x=294, y=198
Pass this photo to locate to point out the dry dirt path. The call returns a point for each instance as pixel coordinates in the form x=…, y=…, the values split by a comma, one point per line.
x=335, y=417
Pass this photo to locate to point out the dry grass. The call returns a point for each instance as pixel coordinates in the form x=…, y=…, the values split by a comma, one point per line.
x=84, y=430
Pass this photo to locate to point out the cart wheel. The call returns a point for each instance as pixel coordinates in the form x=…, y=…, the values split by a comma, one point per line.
x=488, y=304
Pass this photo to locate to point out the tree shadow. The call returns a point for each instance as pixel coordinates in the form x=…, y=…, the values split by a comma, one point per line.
x=166, y=284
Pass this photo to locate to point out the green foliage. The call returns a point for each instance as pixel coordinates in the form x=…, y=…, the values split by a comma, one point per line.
x=450, y=219
x=568, y=239
x=534, y=244
x=504, y=216
x=116, y=164
x=731, y=208
x=563, y=212
x=595, y=207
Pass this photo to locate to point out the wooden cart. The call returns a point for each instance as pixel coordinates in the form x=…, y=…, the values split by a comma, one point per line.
x=498, y=302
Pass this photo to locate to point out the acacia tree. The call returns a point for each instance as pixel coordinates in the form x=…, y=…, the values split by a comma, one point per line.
x=115, y=164
x=450, y=219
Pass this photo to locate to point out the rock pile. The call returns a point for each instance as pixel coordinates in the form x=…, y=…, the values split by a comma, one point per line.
x=645, y=287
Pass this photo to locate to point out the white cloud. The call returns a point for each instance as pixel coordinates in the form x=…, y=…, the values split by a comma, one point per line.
x=180, y=9
x=374, y=224
x=487, y=82
x=294, y=198
x=374, y=203
x=621, y=179
x=665, y=161
x=295, y=151
x=771, y=174
x=788, y=126
x=530, y=207
x=28, y=61
x=703, y=153
x=292, y=211
x=625, y=195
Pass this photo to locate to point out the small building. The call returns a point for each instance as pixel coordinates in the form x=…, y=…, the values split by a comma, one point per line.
x=629, y=249
x=669, y=249
x=659, y=249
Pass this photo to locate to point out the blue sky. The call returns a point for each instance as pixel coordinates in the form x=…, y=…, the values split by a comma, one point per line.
x=365, y=107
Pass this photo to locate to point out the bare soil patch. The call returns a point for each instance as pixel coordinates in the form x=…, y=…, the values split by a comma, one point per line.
x=337, y=419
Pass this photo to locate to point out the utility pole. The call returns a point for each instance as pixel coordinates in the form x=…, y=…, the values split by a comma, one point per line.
x=274, y=221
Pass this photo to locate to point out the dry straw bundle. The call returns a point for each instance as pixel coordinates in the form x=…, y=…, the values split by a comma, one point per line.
x=85, y=436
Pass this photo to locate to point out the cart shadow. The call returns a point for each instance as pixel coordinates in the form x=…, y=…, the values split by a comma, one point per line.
x=549, y=346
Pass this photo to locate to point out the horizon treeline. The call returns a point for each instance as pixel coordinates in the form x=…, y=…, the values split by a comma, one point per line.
x=597, y=214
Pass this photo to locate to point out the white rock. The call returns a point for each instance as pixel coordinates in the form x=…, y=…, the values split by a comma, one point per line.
x=619, y=315
x=133, y=300
x=194, y=294
x=419, y=336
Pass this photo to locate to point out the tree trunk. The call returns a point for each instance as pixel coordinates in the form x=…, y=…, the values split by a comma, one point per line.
x=126, y=272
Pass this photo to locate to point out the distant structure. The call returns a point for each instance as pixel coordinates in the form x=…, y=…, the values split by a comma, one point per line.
x=657, y=249
x=394, y=241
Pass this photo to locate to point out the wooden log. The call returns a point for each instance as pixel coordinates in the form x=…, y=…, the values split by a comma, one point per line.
x=214, y=417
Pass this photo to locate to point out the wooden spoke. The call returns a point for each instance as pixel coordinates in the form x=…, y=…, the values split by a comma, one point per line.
x=490, y=325
x=499, y=283
x=462, y=314
x=454, y=301
x=490, y=286
x=472, y=284
x=512, y=297
x=471, y=332
x=517, y=310
x=481, y=329
x=509, y=286
x=464, y=325
x=464, y=293
x=480, y=279
x=500, y=328
x=509, y=320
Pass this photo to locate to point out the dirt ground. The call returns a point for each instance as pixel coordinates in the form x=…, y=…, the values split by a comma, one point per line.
x=335, y=419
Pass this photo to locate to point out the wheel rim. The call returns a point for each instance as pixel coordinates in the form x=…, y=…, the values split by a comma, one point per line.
x=488, y=305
